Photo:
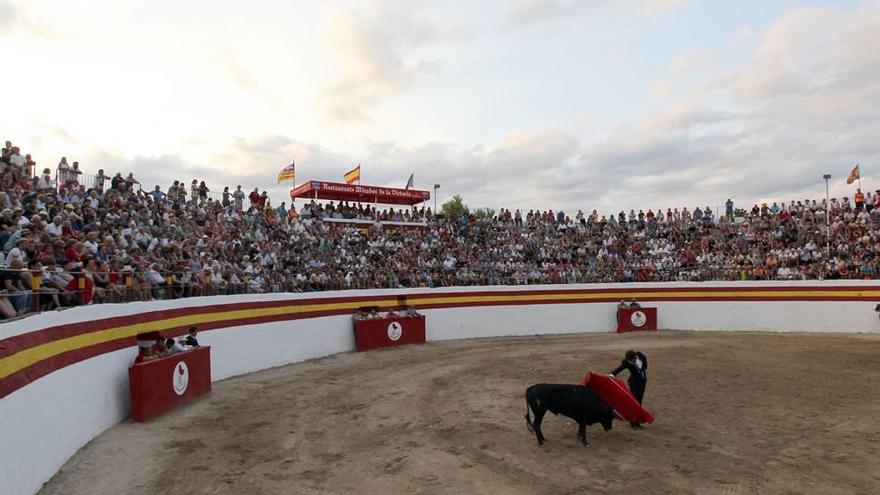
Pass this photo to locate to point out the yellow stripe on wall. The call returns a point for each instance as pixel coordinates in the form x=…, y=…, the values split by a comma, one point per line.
x=33, y=355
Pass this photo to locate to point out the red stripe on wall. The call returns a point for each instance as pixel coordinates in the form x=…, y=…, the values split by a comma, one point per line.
x=18, y=343
x=14, y=344
x=23, y=377
x=38, y=370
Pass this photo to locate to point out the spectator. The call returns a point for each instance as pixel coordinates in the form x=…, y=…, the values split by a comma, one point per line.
x=203, y=192
x=238, y=196
x=157, y=194
x=130, y=182
x=175, y=347
x=73, y=175
x=159, y=348
x=100, y=180
x=191, y=339
x=63, y=174
x=254, y=198
x=12, y=282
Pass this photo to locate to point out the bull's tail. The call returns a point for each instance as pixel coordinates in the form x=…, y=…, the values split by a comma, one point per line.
x=528, y=418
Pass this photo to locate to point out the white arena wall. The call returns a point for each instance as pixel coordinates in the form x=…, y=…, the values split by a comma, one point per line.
x=45, y=421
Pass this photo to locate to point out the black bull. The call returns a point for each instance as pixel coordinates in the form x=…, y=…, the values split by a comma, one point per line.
x=575, y=401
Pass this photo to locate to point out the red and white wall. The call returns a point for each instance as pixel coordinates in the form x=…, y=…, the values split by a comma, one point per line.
x=63, y=375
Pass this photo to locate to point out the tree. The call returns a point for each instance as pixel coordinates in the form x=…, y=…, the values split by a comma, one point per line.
x=454, y=208
x=481, y=213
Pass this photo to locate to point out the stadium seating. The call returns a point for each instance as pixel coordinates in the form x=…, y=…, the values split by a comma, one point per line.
x=72, y=239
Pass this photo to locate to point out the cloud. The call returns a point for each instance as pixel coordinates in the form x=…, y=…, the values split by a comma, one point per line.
x=370, y=63
x=15, y=20
x=242, y=76
x=764, y=126
x=377, y=58
x=528, y=12
x=802, y=105
x=8, y=16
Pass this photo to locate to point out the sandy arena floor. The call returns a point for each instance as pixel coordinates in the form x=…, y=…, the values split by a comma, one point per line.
x=736, y=413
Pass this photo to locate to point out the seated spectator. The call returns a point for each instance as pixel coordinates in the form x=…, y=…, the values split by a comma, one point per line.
x=12, y=282
x=159, y=348
x=175, y=347
x=143, y=355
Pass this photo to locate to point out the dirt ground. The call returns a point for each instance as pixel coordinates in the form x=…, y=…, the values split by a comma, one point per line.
x=737, y=413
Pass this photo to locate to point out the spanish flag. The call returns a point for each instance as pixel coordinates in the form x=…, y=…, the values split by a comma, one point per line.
x=353, y=175
x=287, y=173
x=853, y=176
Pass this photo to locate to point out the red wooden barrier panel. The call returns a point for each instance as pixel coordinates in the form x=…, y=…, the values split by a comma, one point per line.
x=634, y=319
x=387, y=332
x=161, y=384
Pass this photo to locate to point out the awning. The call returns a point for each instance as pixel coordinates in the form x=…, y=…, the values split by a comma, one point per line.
x=337, y=191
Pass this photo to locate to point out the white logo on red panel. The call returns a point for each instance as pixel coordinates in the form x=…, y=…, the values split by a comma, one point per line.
x=638, y=318
x=395, y=330
x=180, y=380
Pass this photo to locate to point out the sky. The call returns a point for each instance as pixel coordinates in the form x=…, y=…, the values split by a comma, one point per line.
x=530, y=104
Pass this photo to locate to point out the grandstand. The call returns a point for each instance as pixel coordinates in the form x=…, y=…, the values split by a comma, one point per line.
x=71, y=239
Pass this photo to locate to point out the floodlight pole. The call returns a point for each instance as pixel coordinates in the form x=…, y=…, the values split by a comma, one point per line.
x=436, y=186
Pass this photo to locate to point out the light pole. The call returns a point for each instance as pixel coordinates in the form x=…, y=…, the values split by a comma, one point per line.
x=436, y=186
x=827, y=217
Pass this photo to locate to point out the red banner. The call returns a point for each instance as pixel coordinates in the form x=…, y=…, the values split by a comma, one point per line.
x=336, y=191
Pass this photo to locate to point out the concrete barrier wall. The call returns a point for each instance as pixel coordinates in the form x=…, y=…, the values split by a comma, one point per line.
x=63, y=375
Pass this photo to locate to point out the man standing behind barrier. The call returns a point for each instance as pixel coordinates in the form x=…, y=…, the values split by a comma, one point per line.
x=637, y=365
x=191, y=339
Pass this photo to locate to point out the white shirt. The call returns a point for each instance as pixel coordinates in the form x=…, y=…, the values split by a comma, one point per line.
x=17, y=160
x=89, y=245
x=178, y=347
x=15, y=254
x=53, y=229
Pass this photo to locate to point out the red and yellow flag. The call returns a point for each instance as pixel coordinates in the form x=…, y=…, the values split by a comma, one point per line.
x=353, y=175
x=287, y=173
x=853, y=176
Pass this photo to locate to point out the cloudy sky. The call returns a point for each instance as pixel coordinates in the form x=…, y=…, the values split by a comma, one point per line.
x=561, y=104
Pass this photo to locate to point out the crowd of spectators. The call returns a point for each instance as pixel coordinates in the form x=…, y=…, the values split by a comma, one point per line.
x=112, y=241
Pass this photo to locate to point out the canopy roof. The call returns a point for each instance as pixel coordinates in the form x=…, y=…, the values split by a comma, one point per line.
x=336, y=191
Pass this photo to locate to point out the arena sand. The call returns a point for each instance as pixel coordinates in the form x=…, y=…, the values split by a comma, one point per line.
x=737, y=413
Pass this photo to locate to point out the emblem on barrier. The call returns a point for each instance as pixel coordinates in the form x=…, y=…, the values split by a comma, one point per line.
x=395, y=330
x=638, y=318
x=180, y=378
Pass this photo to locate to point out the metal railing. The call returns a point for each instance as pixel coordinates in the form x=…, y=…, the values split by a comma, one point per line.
x=133, y=286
